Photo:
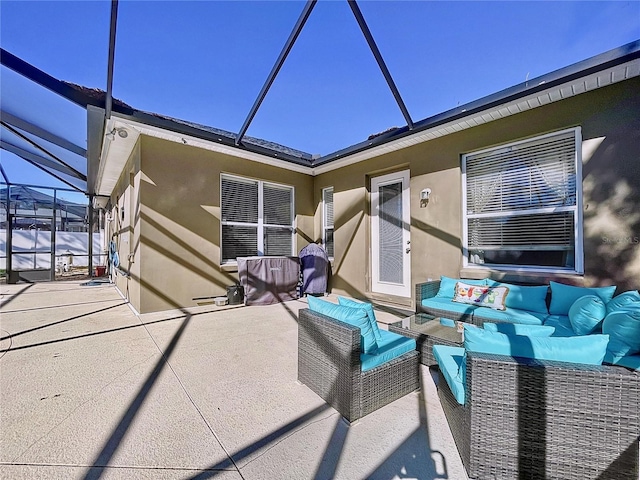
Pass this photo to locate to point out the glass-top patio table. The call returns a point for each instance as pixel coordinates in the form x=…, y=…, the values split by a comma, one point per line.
x=427, y=331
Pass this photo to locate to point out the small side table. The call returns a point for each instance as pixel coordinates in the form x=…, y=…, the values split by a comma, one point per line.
x=427, y=331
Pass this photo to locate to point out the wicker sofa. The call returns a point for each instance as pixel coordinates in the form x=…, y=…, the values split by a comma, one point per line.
x=329, y=363
x=525, y=418
x=468, y=313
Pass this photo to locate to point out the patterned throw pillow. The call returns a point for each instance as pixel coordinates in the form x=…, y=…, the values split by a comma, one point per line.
x=481, y=296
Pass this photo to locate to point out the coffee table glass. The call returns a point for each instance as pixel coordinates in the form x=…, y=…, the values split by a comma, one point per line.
x=427, y=331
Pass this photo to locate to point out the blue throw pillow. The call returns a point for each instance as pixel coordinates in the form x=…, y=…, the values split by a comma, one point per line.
x=586, y=314
x=623, y=328
x=520, y=329
x=448, y=285
x=563, y=296
x=623, y=300
x=348, y=302
x=526, y=297
x=353, y=316
x=588, y=349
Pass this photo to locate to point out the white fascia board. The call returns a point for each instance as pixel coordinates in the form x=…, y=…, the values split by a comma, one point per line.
x=561, y=92
x=115, y=153
x=182, y=139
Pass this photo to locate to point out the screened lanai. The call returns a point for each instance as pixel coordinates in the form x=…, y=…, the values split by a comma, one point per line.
x=264, y=95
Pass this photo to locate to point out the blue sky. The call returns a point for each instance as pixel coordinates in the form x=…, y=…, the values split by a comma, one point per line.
x=206, y=61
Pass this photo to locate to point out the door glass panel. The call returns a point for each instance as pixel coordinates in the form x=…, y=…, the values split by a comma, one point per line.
x=390, y=233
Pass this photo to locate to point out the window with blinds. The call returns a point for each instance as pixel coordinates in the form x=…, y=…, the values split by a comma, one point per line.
x=327, y=220
x=520, y=203
x=257, y=218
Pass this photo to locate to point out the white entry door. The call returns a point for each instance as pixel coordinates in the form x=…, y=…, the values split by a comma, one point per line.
x=390, y=234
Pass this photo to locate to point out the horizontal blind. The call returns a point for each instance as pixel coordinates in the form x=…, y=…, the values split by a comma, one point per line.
x=327, y=200
x=239, y=200
x=522, y=232
x=239, y=241
x=278, y=241
x=278, y=201
x=532, y=175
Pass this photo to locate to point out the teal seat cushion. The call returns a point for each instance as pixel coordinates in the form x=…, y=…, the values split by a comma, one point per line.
x=353, y=316
x=520, y=329
x=511, y=315
x=586, y=314
x=447, y=322
x=348, y=302
x=448, y=285
x=450, y=362
x=525, y=297
x=627, y=361
x=563, y=296
x=441, y=303
x=392, y=345
x=623, y=300
x=588, y=349
x=623, y=328
x=561, y=324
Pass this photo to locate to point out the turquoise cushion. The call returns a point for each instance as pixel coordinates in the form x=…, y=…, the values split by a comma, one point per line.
x=448, y=285
x=623, y=326
x=588, y=349
x=511, y=315
x=530, y=298
x=448, y=304
x=447, y=322
x=563, y=296
x=519, y=329
x=622, y=300
x=628, y=361
x=348, y=302
x=391, y=346
x=450, y=361
x=586, y=314
x=353, y=316
x=562, y=325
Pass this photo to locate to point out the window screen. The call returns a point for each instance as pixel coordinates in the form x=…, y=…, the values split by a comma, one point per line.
x=327, y=220
x=521, y=203
x=257, y=218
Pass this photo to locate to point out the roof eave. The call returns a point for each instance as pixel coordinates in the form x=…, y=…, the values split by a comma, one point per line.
x=612, y=58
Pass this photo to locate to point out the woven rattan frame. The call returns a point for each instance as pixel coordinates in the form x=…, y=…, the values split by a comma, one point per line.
x=532, y=419
x=329, y=364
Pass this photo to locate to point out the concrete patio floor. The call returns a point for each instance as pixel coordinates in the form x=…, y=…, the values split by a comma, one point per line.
x=88, y=389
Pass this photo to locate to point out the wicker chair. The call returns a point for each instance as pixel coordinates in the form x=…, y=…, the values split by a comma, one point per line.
x=532, y=419
x=329, y=364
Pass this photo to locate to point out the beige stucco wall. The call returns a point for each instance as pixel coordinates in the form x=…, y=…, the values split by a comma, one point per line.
x=610, y=122
x=124, y=229
x=180, y=220
x=171, y=197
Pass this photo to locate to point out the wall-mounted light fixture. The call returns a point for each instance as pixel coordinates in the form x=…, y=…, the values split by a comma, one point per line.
x=425, y=194
x=122, y=133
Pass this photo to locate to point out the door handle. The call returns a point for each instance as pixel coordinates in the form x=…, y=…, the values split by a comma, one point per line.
x=408, y=249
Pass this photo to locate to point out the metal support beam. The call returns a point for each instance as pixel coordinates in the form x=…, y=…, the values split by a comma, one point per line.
x=45, y=80
x=4, y=175
x=90, y=227
x=42, y=133
x=43, y=150
x=45, y=162
x=276, y=68
x=112, y=54
x=383, y=67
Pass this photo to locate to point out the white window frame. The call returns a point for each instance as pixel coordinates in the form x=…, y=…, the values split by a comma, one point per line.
x=325, y=224
x=261, y=225
x=578, y=216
